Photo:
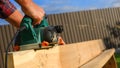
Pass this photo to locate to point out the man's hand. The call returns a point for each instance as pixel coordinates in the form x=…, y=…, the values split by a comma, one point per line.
x=32, y=10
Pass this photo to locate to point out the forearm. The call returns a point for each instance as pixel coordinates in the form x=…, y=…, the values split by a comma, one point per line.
x=15, y=18
x=9, y=12
x=24, y=3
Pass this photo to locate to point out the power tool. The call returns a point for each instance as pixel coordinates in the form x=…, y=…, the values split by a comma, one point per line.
x=31, y=37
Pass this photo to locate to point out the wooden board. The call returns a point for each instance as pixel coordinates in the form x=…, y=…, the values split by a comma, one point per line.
x=100, y=60
x=75, y=55
x=65, y=56
x=112, y=63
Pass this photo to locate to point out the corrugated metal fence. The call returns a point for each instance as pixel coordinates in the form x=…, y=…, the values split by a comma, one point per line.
x=6, y=34
x=78, y=26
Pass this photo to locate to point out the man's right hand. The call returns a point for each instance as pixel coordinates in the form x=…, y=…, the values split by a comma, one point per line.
x=33, y=10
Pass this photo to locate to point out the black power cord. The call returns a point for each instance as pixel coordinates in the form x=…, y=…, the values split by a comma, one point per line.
x=6, y=52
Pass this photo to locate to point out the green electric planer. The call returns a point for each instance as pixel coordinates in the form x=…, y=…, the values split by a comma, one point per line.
x=31, y=37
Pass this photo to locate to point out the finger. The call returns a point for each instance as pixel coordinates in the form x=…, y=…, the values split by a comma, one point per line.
x=36, y=21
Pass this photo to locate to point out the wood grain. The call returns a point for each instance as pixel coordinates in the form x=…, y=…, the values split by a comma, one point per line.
x=65, y=56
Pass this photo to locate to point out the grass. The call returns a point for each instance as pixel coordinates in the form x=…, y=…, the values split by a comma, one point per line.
x=117, y=56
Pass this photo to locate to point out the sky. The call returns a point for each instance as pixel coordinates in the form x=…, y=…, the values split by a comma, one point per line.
x=62, y=6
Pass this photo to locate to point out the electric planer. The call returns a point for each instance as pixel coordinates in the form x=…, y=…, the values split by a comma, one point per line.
x=38, y=36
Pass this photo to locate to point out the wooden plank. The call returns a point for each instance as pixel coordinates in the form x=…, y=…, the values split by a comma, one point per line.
x=10, y=60
x=66, y=56
x=111, y=63
x=100, y=60
x=90, y=50
x=69, y=56
x=36, y=59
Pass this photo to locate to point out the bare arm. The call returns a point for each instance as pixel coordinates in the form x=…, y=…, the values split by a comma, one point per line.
x=9, y=12
x=15, y=18
x=31, y=9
